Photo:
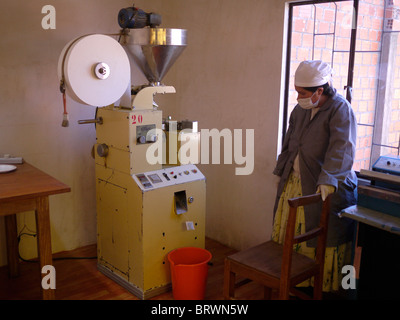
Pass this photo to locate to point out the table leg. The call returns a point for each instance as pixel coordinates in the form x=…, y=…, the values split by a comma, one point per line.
x=44, y=240
x=357, y=255
x=12, y=245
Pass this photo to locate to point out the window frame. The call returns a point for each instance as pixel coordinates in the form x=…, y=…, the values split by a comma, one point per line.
x=289, y=47
x=352, y=52
x=378, y=138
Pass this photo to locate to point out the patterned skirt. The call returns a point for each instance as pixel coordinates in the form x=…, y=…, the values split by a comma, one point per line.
x=335, y=257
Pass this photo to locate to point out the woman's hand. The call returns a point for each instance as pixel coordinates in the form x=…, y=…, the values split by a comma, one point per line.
x=325, y=190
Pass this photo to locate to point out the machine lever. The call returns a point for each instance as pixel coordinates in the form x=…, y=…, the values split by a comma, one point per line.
x=97, y=120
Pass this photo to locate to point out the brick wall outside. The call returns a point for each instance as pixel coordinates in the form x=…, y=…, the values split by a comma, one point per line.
x=392, y=23
x=331, y=44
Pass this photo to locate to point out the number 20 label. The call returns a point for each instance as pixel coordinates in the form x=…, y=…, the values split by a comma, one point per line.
x=137, y=119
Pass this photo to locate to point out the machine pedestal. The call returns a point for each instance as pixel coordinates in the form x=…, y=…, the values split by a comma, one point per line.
x=141, y=218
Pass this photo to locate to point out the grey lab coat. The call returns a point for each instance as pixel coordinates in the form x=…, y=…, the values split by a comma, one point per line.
x=326, y=148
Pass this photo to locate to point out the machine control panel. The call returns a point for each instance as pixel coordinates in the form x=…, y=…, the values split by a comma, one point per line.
x=387, y=164
x=168, y=176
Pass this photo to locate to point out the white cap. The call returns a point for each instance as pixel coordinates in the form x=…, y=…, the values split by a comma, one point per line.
x=312, y=73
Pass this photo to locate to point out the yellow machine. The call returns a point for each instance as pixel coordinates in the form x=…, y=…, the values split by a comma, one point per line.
x=144, y=211
x=145, y=207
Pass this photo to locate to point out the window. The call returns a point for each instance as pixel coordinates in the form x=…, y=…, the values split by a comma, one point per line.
x=360, y=39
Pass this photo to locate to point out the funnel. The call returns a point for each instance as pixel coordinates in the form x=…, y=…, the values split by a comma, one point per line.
x=155, y=50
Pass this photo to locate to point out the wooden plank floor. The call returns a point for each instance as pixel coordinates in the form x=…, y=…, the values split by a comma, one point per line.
x=80, y=279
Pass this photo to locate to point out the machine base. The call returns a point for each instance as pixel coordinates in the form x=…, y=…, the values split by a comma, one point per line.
x=132, y=288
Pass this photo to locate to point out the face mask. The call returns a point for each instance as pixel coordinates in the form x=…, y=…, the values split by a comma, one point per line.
x=307, y=103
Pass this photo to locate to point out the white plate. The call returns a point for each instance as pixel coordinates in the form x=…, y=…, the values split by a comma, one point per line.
x=7, y=168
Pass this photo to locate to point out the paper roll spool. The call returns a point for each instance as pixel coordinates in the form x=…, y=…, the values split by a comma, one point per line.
x=96, y=70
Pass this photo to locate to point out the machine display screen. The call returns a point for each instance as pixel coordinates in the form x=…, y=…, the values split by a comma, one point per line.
x=155, y=178
x=142, y=178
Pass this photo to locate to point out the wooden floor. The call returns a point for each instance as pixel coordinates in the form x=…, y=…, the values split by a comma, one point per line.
x=80, y=280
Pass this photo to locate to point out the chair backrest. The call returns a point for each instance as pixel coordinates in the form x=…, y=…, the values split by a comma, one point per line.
x=321, y=231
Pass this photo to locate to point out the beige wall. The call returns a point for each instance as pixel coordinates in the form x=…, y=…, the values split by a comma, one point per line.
x=228, y=77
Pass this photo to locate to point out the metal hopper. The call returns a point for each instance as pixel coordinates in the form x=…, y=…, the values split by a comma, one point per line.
x=154, y=50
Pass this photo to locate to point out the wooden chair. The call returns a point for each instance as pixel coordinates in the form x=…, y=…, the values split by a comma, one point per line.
x=279, y=266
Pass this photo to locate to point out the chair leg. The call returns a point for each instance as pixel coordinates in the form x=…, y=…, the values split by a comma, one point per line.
x=318, y=287
x=283, y=292
x=229, y=281
x=267, y=293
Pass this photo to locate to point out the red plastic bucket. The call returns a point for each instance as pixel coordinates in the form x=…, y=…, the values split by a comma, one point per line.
x=189, y=269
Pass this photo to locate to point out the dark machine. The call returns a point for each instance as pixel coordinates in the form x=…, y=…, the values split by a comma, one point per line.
x=378, y=233
x=134, y=18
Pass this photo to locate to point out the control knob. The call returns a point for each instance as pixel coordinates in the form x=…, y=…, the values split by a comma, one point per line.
x=141, y=139
x=151, y=138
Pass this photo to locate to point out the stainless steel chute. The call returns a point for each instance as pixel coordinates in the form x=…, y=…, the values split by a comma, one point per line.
x=154, y=50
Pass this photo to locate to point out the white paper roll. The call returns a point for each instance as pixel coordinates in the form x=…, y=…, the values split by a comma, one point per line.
x=96, y=70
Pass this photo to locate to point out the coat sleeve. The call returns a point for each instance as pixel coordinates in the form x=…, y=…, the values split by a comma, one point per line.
x=339, y=158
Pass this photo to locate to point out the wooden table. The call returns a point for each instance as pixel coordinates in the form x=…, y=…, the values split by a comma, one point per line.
x=28, y=189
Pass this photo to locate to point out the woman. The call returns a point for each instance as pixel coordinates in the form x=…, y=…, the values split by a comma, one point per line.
x=317, y=156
